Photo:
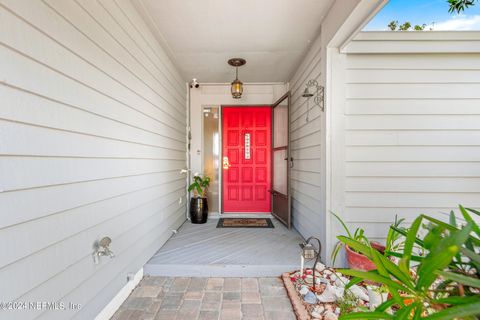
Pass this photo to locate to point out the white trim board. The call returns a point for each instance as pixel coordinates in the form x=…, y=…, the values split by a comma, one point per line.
x=121, y=296
x=390, y=42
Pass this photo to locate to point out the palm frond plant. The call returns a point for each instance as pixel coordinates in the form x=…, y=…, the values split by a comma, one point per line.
x=444, y=283
x=357, y=235
x=394, y=241
x=356, y=259
x=199, y=186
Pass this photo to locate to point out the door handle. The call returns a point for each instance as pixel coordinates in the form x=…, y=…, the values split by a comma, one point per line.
x=291, y=161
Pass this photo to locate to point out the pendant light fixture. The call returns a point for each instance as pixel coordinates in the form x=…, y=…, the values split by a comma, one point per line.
x=237, y=85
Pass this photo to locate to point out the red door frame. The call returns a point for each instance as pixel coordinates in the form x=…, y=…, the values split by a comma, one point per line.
x=222, y=107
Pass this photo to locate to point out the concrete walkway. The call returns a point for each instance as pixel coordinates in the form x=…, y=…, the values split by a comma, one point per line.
x=163, y=298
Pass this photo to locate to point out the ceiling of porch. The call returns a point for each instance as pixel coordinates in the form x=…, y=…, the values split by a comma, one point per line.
x=272, y=35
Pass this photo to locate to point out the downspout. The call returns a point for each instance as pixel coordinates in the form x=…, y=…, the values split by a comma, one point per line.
x=189, y=138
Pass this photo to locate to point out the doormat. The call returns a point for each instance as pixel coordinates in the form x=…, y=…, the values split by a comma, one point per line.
x=245, y=223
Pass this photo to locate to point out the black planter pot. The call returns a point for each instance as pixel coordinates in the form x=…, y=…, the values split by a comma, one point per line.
x=198, y=210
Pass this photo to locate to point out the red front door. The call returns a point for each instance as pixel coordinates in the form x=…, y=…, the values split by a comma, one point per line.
x=246, y=159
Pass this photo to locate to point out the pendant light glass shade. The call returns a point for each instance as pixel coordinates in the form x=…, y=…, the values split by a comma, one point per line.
x=237, y=89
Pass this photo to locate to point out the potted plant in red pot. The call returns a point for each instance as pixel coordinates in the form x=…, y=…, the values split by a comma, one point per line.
x=437, y=276
x=199, y=203
x=355, y=259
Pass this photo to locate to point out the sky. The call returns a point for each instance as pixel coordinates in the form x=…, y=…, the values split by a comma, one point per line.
x=426, y=11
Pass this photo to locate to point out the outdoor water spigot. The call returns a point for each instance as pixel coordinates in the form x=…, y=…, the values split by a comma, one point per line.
x=102, y=248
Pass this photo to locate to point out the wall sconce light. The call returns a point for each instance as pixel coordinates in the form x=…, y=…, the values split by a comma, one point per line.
x=308, y=253
x=313, y=89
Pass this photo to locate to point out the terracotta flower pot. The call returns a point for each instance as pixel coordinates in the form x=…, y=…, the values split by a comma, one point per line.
x=378, y=246
x=358, y=261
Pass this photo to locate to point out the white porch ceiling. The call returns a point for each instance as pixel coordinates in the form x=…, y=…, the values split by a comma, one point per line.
x=201, y=35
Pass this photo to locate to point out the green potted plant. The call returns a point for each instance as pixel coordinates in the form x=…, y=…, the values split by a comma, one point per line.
x=440, y=280
x=199, y=203
x=356, y=260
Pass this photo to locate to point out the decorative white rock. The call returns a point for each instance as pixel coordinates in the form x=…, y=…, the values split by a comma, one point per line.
x=319, y=309
x=304, y=290
x=376, y=298
x=330, y=316
x=320, y=267
x=341, y=282
x=331, y=294
x=336, y=275
x=359, y=292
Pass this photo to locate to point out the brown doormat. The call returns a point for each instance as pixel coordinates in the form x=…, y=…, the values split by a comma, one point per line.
x=245, y=223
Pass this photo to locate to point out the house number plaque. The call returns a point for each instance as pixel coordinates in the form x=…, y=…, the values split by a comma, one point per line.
x=247, y=146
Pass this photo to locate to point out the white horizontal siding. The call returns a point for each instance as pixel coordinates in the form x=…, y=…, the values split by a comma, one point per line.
x=412, y=128
x=306, y=143
x=92, y=140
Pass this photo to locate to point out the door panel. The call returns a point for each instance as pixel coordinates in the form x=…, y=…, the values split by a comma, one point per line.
x=280, y=125
x=281, y=206
x=246, y=159
x=280, y=169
